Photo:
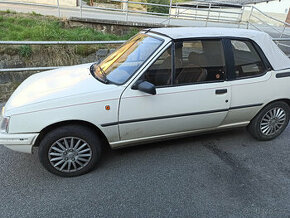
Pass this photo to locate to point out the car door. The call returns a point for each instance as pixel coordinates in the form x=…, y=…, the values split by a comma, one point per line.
x=250, y=74
x=191, y=92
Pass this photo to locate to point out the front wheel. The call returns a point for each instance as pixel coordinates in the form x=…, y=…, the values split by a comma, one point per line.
x=70, y=151
x=270, y=122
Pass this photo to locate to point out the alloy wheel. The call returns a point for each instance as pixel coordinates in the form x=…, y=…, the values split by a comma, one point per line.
x=69, y=154
x=273, y=121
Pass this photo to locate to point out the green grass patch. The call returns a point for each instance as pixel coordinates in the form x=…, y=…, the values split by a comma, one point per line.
x=42, y=28
x=25, y=51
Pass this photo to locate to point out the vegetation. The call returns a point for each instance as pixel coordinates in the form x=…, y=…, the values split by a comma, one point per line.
x=25, y=51
x=35, y=27
x=149, y=8
x=158, y=9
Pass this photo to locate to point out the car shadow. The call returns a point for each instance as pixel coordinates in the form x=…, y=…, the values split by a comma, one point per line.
x=193, y=140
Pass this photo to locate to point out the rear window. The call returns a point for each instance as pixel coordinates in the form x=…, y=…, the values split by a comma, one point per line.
x=248, y=63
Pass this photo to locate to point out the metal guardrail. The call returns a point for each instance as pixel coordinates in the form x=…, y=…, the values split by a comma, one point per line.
x=211, y=11
x=255, y=12
x=71, y=43
x=59, y=42
x=50, y=43
x=201, y=13
x=29, y=69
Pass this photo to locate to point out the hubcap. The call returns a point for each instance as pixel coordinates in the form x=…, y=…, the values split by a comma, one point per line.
x=273, y=121
x=69, y=154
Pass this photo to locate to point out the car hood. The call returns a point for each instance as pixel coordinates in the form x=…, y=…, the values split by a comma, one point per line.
x=55, y=84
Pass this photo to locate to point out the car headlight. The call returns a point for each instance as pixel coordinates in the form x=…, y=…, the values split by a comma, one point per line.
x=4, y=124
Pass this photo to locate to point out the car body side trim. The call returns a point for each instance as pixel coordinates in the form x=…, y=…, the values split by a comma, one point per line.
x=132, y=142
x=246, y=106
x=281, y=75
x=179, y=115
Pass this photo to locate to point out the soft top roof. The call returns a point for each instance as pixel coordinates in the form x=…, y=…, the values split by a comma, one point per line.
x=276, y=57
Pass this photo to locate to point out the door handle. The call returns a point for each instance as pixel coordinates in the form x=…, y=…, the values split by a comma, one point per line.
x=221, y=91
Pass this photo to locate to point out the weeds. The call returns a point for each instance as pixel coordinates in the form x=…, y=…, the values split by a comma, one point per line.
x=33, y=13
x=42, y=28
x=25, y=51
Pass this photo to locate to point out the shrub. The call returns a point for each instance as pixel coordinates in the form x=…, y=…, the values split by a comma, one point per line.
x=158, y=9
x=25, y=51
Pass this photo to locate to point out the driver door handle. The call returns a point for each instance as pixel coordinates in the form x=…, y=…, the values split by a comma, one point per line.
x=221, y=91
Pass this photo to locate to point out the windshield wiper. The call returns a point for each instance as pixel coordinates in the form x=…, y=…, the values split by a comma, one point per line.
x=104, y=76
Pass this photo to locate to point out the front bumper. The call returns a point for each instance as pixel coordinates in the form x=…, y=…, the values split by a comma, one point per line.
x=18, y=142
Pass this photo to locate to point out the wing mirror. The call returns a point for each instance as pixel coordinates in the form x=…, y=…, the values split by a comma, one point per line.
x=145, y=86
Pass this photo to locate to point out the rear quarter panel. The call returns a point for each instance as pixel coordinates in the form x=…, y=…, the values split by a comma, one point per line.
x=260, y=90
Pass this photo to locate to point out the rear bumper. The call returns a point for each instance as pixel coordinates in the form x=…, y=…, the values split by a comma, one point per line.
x=18, y=142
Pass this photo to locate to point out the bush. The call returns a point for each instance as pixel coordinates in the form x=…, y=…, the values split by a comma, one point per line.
x=158, y=9
x=25, y=51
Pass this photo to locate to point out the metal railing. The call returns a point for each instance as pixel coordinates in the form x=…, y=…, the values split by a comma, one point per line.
x=51, y=43
x=212, y=11
x=200, y=11
x=72, y=43
x=262, y=18
x=208, y=12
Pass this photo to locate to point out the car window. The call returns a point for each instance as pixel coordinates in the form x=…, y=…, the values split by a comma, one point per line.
x=159, y=73
x=247, y=60
x=199, y=61
x=119, y=66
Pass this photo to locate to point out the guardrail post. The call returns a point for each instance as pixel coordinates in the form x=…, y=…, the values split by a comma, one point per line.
x=58, y=8
x=125, y=9
x=177, y=11
x=282, y=33
x=169, y=13
x=81, y=8
x=241, y=16
x=249, y=19
x=208, y=13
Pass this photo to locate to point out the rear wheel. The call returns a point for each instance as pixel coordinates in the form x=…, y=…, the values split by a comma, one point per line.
x=70, y=151
x=270, y=122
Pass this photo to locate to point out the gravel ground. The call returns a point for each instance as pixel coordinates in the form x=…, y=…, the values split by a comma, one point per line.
x=226, y=174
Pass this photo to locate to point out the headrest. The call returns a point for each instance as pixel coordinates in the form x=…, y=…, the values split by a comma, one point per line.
x=196, y=59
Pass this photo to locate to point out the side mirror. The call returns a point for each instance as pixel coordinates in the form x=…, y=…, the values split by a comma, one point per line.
x=145, y=86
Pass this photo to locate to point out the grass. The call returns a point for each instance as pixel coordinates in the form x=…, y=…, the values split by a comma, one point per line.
x=34, y=27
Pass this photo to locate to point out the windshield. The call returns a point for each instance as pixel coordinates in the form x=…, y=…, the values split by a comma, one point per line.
x=124, y=62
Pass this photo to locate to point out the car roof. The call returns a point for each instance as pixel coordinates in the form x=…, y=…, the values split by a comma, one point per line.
x=190, y=32
x=276, y=57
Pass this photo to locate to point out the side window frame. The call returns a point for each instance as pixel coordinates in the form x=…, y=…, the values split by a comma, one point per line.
x=230, y=60
x=198, y=39
x=154, y=59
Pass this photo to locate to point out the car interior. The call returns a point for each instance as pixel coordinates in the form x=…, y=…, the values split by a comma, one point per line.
x=195, y=62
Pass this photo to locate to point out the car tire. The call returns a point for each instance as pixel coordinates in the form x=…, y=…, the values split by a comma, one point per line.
x=69, y=151
x=270, y=122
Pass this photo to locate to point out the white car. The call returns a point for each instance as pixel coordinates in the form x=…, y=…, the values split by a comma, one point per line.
x=162, y=83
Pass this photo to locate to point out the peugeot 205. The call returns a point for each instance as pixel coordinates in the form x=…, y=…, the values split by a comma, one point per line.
x=162, y=83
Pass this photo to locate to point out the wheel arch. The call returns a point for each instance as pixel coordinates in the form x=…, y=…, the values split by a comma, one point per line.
x=93, y=127
x=286, y=100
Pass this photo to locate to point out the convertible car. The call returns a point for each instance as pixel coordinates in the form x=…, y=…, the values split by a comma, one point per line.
x=162, y=83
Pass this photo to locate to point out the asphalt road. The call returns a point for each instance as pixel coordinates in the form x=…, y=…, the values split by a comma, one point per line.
x=226, y=174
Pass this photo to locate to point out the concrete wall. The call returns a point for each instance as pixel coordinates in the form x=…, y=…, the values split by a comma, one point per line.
x=72, y=3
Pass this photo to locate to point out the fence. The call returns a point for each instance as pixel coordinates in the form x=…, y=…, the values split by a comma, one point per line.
x=200, y=11
x=73, y=43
